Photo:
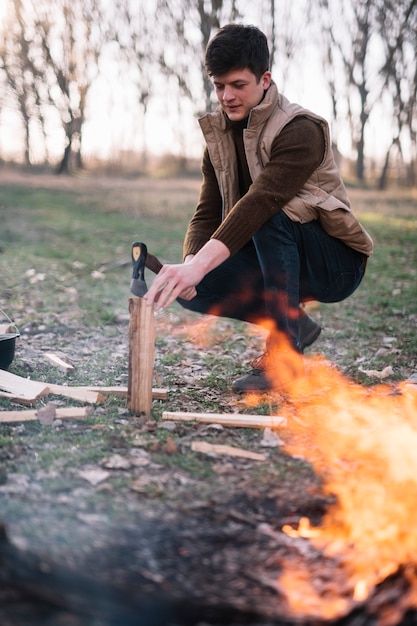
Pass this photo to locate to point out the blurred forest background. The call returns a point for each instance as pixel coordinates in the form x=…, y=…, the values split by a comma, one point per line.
x=91, y=84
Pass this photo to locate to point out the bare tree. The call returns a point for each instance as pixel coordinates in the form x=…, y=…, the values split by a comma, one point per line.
x=50, y=59
x=370, y=64
x=67, y=46
x=19, y=73
x=285, y=23
x=186, y=28
x=398, y=24
x=133, y=27
x=349, y=31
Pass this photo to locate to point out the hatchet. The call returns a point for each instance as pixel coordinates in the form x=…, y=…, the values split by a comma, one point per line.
x=138, y=285
x=140, y=260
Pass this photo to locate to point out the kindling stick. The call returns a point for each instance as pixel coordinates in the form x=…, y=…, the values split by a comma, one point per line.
x=28, y=415
x=141, y=356
x=227, y=419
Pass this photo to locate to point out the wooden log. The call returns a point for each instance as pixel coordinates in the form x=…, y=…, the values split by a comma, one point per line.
x=29, y=415
x=227, y=419
x=141, y=356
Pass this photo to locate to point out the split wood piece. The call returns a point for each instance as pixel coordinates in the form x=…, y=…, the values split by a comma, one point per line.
x=7, y=329
x=82, y=394
x=30, y=415
x=141, y=356
x=16, y=398
x=158, y=393
x=54, y=359
x=92, y=395
x=29, y=390
x=210, y=448
x=227, y=419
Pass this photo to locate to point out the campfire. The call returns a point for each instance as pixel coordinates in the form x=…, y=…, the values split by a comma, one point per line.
x=362, y=441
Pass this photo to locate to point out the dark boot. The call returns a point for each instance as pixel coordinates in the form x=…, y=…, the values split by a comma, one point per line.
x=308, y=331
x=257, y=381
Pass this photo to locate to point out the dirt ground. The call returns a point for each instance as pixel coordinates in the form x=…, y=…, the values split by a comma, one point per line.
x=155, y=541
x=113, y=521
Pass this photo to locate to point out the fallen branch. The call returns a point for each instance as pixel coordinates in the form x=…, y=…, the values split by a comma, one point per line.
x=227, y=419
x=210, y=448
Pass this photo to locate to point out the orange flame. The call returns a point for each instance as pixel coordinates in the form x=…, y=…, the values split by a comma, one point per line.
x=363, y=442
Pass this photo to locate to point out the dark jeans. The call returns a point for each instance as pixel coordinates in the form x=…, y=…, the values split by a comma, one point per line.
x=284, y=264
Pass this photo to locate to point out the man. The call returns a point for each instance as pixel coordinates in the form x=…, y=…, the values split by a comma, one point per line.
x=273, y=226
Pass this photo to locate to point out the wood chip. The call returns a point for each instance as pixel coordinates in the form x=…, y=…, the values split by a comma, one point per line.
x=54, y=359
x=219, y=449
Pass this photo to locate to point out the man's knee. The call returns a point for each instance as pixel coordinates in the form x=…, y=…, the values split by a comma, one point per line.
x=277, y=228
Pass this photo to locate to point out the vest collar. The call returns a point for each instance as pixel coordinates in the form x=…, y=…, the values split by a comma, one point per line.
x=258, y=114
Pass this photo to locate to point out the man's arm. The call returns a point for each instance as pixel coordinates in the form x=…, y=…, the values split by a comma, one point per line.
x=296, y=153
x=208, y=213
x=176, y=280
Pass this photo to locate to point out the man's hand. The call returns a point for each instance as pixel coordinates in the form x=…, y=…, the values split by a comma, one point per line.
x=175, y=281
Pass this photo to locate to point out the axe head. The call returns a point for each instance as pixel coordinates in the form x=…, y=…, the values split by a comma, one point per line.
x=137, y=284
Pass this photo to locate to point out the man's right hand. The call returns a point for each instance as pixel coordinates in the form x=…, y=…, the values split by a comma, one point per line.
x=180, y=280
x=188, y=294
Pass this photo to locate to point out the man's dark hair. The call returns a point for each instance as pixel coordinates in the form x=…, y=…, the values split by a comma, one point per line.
x=236, y=47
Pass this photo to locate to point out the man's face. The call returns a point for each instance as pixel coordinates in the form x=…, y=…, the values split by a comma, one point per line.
x=238, y=92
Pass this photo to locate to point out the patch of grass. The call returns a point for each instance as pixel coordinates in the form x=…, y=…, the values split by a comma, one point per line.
x=65, y=267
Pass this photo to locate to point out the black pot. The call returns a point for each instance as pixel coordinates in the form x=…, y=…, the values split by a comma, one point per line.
x=7, y=349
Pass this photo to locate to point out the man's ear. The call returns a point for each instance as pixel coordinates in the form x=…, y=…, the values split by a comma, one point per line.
x=266, y=79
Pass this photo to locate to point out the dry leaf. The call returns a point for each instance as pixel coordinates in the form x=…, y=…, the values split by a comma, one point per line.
x=97, y=275
x=270, y=439
x=148, y=485
x=170, y=447
x=139, y=457
x=117, y=462
x=387, y=371
x=47, y=414
x=94, y=476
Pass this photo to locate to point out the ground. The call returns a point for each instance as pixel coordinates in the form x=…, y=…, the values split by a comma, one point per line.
x=114, y=519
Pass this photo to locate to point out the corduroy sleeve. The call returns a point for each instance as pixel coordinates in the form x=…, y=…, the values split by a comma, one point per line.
x=296, y=153
x=208, y=213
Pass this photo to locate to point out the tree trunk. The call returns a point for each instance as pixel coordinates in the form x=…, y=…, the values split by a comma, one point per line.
x=64, y=165
x=382, y=183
